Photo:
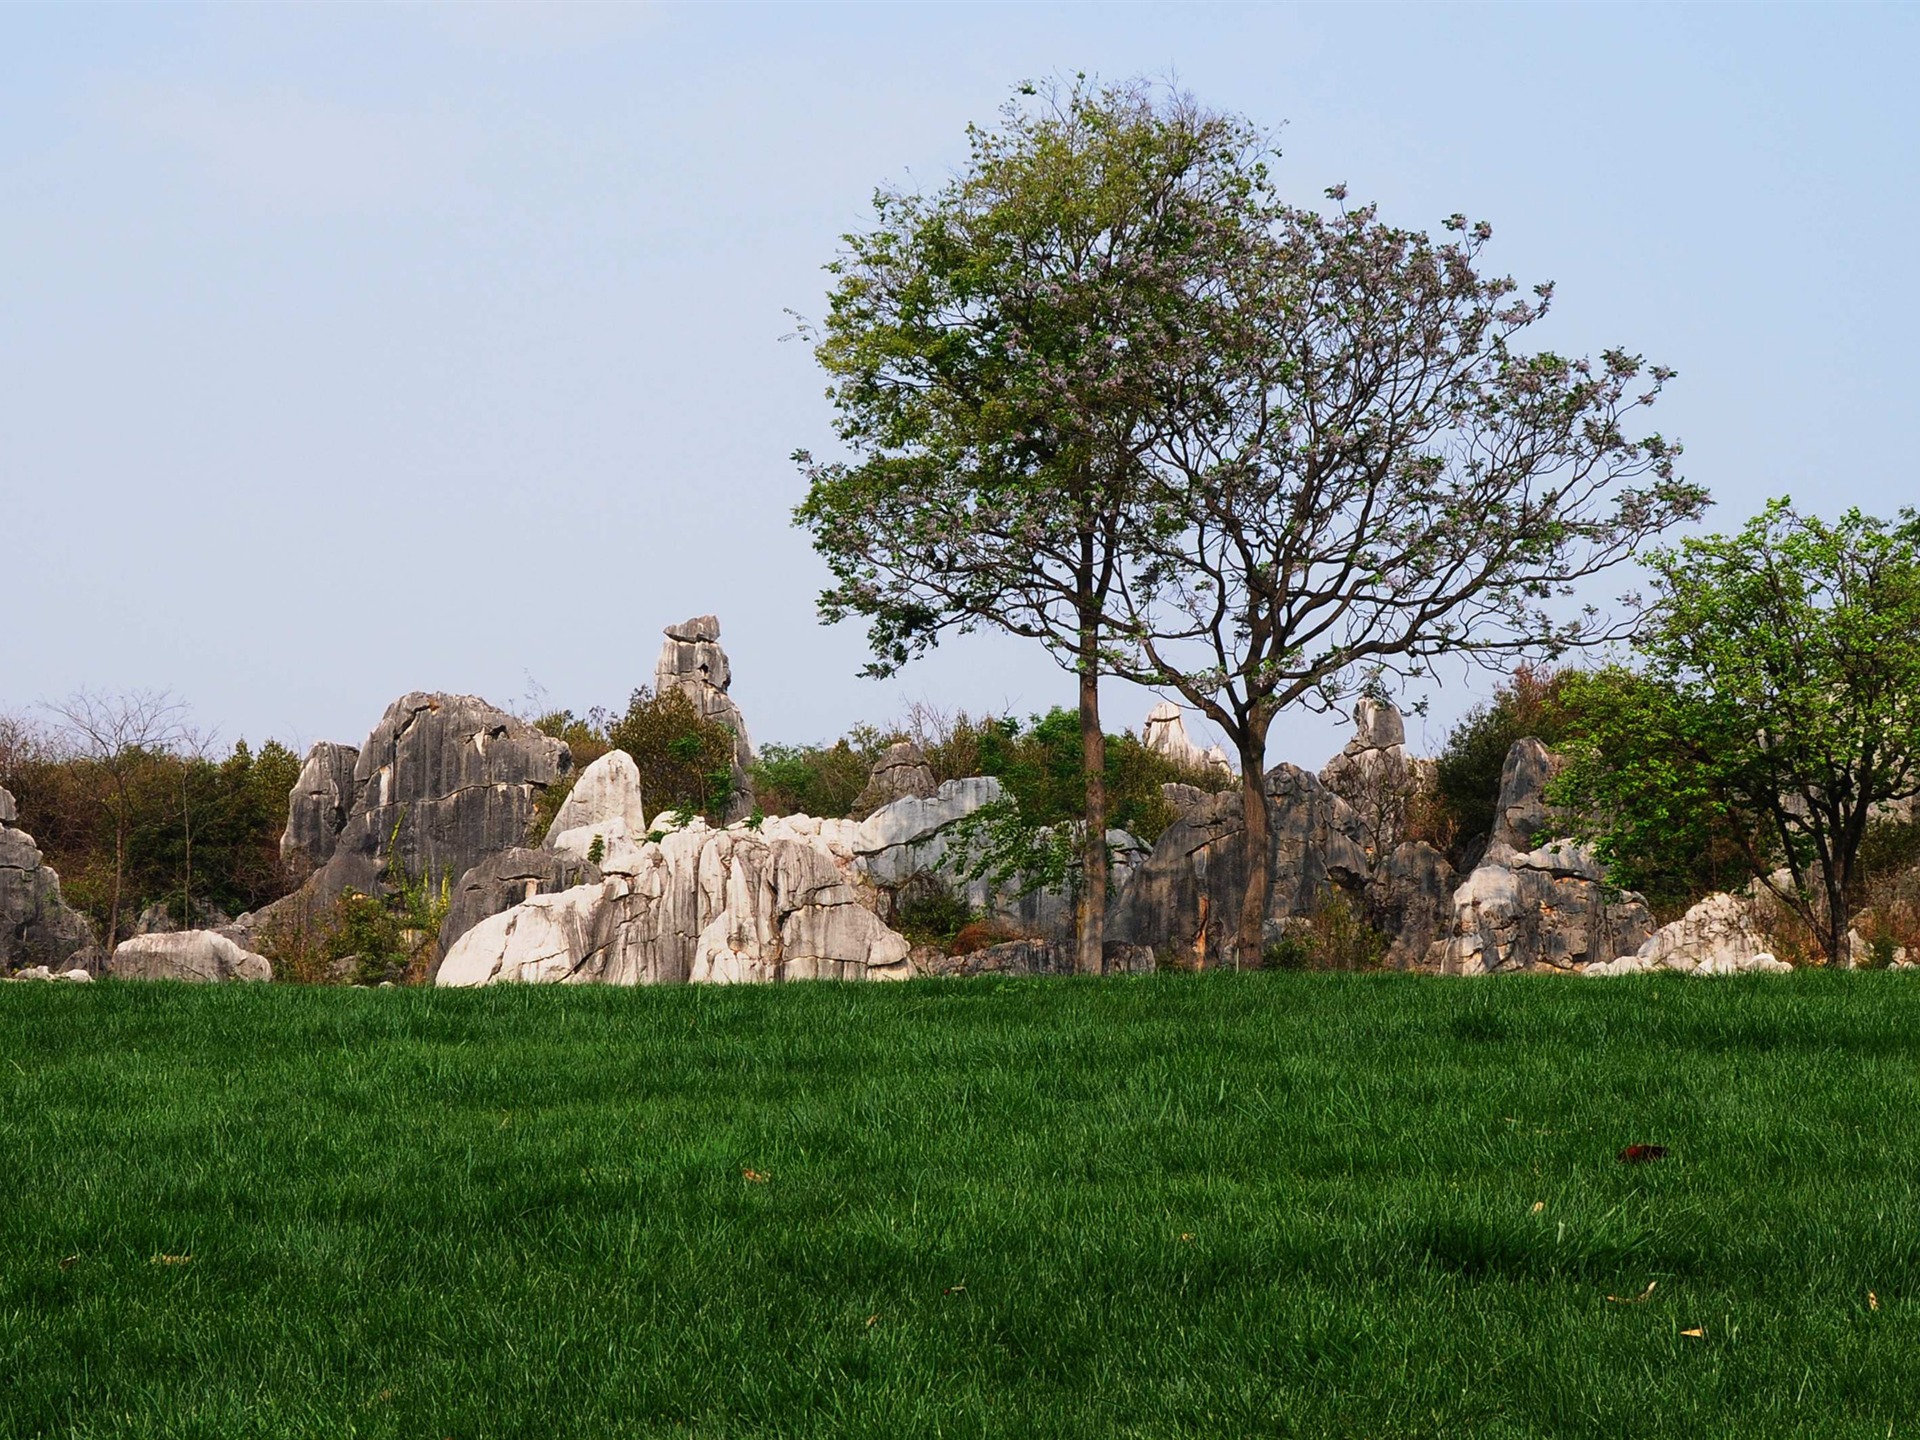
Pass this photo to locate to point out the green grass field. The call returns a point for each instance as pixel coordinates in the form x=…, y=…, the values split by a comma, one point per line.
x=1266, y=1205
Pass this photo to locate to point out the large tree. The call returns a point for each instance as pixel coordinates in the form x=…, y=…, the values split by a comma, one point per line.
x=1380, y=477
x=1003, y=352
x=1779, y=710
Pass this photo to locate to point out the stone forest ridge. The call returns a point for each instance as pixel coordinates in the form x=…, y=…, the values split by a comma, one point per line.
x=444, y=794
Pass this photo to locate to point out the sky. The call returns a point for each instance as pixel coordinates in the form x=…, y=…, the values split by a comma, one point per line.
x=353, y=350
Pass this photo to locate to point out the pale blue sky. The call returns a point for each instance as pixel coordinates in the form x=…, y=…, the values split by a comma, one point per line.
x=352, y=350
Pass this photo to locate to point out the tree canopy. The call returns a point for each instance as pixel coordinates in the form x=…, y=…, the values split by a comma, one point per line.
x=1779, y=713
x=1003, y=351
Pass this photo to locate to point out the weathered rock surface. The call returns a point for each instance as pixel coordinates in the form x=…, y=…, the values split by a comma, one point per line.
x=443, y=782
x=1718, y=936
x=1029, y=957
x=1377, y=776
x=1410, y=898
x=47, y=972
x=1165, y=732
x=692, y=662
x=1535, y=908
x=318, y=807
x=899, y=773
x=506, y=879
x=37, y=926
x=1187, y=893
x=607, y=790
x=1521, y=811
x=157, y=919
x=701, y=905
x=195, y=955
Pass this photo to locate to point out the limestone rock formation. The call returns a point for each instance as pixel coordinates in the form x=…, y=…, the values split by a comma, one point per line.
x=507, y=878
x=701, y=905
x=1528, y=908
x=196, y=955
x=1029, y=957
x=899, y=773
x=318, y=807
x=1376, y=775
x=442, y=782
x=37, y=926
x=1521, y=812
x=1187, y=893
x=1410, y=899
x=1718, y=936
x=1165, y=732
x=607, y=790
x=693, y=663
x=47, y=972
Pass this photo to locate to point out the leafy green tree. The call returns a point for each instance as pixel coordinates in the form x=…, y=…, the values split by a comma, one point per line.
x=1380, y=477
x=685, y=760
x=1780, y=710
x=1002, y=353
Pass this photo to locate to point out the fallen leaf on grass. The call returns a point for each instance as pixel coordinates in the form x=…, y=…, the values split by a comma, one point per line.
x=172, y=1260
x=1694, y=1334
x=954, y=1290
x=1641, y=1154
x=754, y=1176
x=1186, y=1234
x=1873, y=1300
x=870, y=1320
x=1538, y=1206
x=1641, y=1298
x=72, y=1260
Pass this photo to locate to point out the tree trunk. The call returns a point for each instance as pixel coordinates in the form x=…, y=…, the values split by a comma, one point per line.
x=1091, y=932
x=119, y=869
x=1250, y=942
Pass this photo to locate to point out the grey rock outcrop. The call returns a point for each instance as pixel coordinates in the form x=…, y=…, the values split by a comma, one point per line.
x=1718, y=936
x=1410, y=898
x=1187, y=893
x=508, y=878
x=200, y=956
x=606, y=791
x=901, y=772
x=1533, y=906
x=1521, y=812
x=1377, y=776
x=692, y=662
x=701, y=905
x=1029, y=957
x=1165, y=732
x=37, y=926
x=441, y=783
x=47, y=972
x=318, y=807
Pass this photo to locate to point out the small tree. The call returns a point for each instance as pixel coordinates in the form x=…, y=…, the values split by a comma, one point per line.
x=1003, y=351
x=118, y=736
x=1780, y=710
x=1379, y=477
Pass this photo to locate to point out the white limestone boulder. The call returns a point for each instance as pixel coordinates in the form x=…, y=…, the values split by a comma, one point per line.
x=607, y=790
x=199, y=956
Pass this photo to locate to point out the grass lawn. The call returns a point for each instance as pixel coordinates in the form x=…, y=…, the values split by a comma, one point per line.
x=1266, y=1205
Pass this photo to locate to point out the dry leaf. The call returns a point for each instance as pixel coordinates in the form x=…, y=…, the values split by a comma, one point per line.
x=755, y=1176
x=69, y=1262
x=1695, y=1334
x=172, y=1259
x=1873, y=1300
x=1641, y=1154
x=870, y=1320
x=1186, y=1235
x=954, y=1290
x=1643, y=1296
x=1538, y=1206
